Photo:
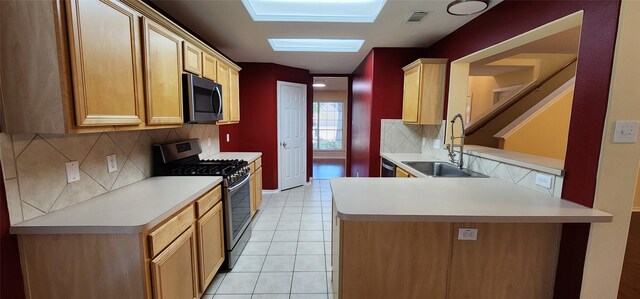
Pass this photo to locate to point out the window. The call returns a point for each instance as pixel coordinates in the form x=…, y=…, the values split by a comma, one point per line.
x=327, y=126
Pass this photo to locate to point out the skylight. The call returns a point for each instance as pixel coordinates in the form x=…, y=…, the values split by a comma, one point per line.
x=316, y=45
x=351, y=11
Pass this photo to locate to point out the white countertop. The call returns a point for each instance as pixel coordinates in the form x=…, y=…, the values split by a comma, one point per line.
x=452, y=200
x=131, y=209
x=247, y=156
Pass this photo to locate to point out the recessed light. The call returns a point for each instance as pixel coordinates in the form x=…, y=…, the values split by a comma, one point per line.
x=352, y=11
x=316, y=45
x=319, y=85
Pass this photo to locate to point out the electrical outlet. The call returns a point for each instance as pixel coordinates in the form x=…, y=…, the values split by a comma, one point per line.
x=468, y=234
x=544, y=180
x=112, y=163
x=357, y=173
x=625, y=132
x=73, y=172
x=209, y=142
x=227, y=137
x=437, y=143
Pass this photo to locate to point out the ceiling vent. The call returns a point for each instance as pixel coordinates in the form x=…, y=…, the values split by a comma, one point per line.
x=417, y=16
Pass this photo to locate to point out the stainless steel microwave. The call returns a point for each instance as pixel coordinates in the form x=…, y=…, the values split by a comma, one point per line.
x=202, y=99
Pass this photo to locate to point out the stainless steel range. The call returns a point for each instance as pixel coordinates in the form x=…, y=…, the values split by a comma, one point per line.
x=181, y=159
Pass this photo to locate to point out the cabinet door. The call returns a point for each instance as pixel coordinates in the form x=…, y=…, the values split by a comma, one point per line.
x=223, y=79
x=411, y=95
x=104, y=39
x=401, y=173
x=163, y=75
x=174, y=271
x=234, y=95
x=192, y=58
x=209, y=66
x=252, y=184
x=258, y=188
x=210, y=244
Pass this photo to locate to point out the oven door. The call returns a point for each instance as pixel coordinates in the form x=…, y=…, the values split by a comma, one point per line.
x=203, y=99
x=237, y=210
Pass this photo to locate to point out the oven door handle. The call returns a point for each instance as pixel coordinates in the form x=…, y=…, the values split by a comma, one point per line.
x=236, y=187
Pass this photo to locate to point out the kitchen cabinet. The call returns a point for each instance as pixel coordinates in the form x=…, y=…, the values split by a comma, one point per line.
x=423, y=93
x=163, y=75
x=97, y=65
x=104, y=43
x=222, y=73
x=210, y=244
x=174, y=271
x=401, y=173
x=234, y=96
x=256, y=184
x=209, y=66
x=192, y=58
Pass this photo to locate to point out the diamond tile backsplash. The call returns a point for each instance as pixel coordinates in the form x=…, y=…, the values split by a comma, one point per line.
x=33, y=165
x=398, y=137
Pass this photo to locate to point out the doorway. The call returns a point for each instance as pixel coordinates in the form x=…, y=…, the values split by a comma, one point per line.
x=292, y=142
x=329, y=129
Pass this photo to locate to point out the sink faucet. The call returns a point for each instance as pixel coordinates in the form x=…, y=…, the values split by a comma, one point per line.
x=451, y=147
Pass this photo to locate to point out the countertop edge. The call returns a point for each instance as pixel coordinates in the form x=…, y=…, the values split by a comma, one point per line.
x=477, y=219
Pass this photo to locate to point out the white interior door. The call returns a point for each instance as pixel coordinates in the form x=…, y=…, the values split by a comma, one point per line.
x=292, y=128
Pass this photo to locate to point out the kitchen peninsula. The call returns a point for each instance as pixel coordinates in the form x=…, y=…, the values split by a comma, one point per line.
x=408, y=238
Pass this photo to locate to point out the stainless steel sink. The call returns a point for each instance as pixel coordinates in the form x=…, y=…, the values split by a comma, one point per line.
x=442, y=169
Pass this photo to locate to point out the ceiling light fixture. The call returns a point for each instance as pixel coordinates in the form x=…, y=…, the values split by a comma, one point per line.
x=319, y=85
x=467, y=7
x=351, y=11
x=315, y=45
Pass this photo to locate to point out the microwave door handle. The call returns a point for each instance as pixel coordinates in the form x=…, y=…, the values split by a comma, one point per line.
x=217, y=90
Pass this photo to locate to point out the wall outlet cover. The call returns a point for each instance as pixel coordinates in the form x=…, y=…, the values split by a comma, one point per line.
x=544, y=180
x=112, y=163
x=625, y=132
x=227, y=137
x=468, y=234
x=73, y=171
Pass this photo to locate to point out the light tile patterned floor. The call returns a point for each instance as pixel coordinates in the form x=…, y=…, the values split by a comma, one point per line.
x=289, y=253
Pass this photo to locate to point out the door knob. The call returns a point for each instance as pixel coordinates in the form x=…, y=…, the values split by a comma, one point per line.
x=284, y=144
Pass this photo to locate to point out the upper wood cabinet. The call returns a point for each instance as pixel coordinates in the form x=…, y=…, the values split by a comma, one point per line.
x=423, y=95
x=163, y=71
x=229, y=78
x=174, y=271
x=223, y=79
x=209, y=66
x=234, y=95
x=192, y=58
x=104, y=39
x=81, y=66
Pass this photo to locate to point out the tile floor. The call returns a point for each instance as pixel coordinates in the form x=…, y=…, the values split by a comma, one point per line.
x=289, y=253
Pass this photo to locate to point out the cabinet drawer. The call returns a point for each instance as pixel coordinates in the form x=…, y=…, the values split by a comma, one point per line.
x=252, y=167
x=165, y=234
x=207, y=201
x=258, y=163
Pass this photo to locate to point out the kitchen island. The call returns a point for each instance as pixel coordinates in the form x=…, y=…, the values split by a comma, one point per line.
x=401, y=238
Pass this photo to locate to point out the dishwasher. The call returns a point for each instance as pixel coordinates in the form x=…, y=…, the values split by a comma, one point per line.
x=388, y=169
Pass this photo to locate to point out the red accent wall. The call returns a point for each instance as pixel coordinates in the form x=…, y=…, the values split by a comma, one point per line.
x=10, y=273
x=377, y=94
x=258, y=127
x=513, y=17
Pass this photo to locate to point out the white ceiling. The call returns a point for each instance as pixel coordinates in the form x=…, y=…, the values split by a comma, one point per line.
x=333, y=83
x=227, y=25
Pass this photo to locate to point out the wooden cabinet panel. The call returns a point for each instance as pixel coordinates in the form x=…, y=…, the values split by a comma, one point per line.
x=210, y=245
x=258, y=175
x=209, y=66
x=223, y=79
x=379, y=259
x=509, y=260
x=234, y=95
x=423, y=93
x=163, y=75
x=207, y=201
x=252, y=184
x=401, y=173
x=104, y=38
x=174, y=272
x=165, y=234
x=192, y=58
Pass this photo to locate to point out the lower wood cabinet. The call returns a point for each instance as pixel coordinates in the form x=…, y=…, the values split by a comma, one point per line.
x=174, y=272
x=401, y=173
x=210, y=244
x=258, y=175
x=252, y=184
x=256, y=185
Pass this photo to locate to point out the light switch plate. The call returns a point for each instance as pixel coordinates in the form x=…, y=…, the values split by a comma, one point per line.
x=468, y=234
x=625, y=132
x=73, y=172
x=112, y=163
x=544, y=180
